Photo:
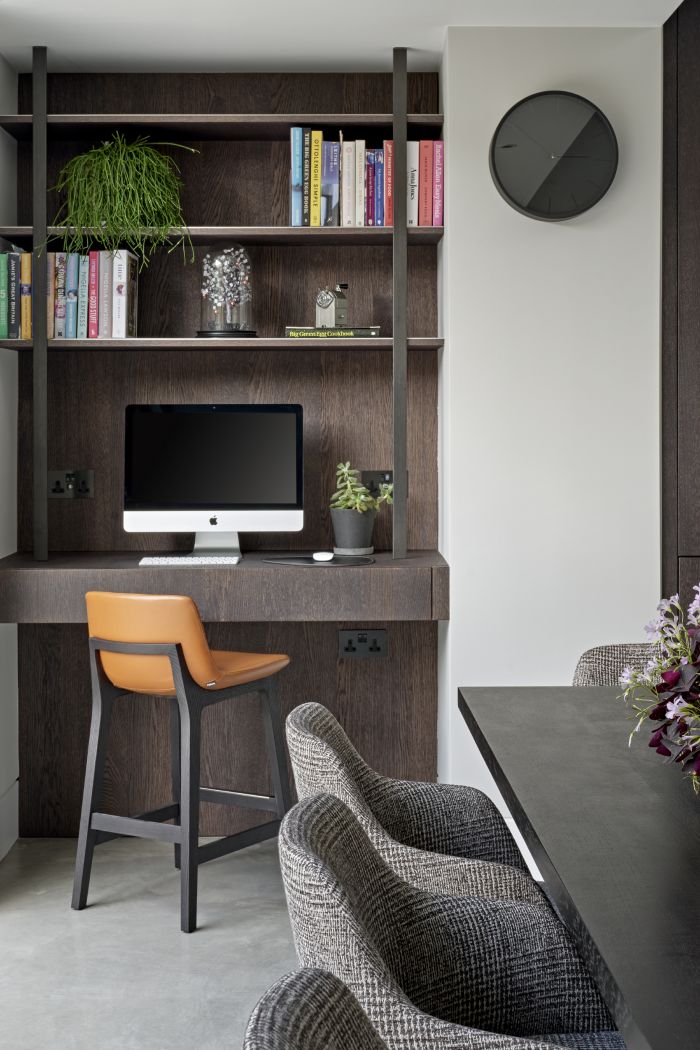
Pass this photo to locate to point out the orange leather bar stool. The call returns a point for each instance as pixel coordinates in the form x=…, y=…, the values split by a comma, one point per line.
x=155, y=644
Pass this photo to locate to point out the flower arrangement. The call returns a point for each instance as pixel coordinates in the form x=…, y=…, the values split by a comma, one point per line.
x=666, y=692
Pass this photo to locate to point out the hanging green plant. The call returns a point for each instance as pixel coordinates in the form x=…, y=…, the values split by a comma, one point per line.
x=124, y=195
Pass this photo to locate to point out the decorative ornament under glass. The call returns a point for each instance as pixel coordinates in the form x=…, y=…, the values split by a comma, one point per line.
x=227, y=293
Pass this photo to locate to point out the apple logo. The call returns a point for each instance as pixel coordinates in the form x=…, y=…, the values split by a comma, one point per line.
x=214, y=520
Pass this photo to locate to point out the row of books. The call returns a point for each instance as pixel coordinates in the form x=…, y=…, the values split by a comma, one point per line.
x=90, y=296
x=345, y=184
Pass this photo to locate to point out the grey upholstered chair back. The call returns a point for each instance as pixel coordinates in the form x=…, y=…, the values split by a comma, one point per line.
x=504, y=966
x=604, y=664
x=310, y=1010
x=450, y=819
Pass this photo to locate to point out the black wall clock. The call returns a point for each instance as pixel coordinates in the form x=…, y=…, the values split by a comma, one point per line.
x=553, y=155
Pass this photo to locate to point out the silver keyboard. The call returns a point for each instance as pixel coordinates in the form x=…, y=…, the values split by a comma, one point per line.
x=191, y=559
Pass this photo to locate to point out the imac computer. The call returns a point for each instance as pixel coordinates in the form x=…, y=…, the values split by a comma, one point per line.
x=215, y=470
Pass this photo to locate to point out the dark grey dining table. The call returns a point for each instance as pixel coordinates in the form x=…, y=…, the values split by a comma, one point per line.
x=615, y=832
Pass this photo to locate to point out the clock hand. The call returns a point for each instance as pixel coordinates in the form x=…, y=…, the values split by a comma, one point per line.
x=525, y=133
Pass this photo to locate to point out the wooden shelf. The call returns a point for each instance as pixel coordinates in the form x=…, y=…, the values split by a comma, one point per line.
x=412, y=588
x=146, y=343
x=270, y=235
x=197, y=126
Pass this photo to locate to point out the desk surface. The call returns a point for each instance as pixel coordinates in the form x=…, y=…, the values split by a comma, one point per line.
x=413, y=588
x=616, y=834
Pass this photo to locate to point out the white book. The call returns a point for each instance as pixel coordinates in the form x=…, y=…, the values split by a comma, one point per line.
x=412, y=149
x=105, y=295
x=123, y=294
x=347, y=185
x=360, y=182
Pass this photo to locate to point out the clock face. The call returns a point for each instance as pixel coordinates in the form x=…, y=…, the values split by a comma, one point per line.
x=553, y=155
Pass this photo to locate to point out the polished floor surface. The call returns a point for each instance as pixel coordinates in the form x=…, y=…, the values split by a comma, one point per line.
x=120, y=975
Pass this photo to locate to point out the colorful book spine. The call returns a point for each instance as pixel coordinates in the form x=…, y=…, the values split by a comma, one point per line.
x=360, y=176
x=94, y=295
x=13, y=295
x=315, y=179
x=105, y=295
x=330, y=184
x=72, y=281
x=347, y=188
x=50, y=293
x=389, y=182
x=306, y=178
x=83, y=296
x=296, y=181
x=25, y=291
x=425, y=183
x=123, y=294
x=379, y=187
x=60, y=307
x=369, y=187
x=438, y=182
x=411, y=183
x=4, y=327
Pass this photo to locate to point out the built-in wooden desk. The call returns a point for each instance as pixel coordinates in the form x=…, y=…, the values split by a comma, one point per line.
x=388, y=704
x=415, y=588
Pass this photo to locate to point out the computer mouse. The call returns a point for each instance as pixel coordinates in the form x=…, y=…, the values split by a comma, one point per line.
x=323, y=556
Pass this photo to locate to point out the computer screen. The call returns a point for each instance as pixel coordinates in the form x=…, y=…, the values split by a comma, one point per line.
x=223, y=457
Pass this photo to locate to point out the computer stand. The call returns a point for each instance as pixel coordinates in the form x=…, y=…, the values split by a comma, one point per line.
x=221, y=543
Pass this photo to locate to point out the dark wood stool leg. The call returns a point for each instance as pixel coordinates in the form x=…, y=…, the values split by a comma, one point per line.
x=102, y=700
x=175, y=763
x=190, y=734
x=277, y=754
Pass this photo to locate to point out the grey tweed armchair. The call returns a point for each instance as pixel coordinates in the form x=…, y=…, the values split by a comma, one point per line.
x=432, y=972
x=310, y=1010
x=435, y=836
x=604, y=664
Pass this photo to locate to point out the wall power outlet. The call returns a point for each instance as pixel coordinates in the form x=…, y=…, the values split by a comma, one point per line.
x=368, y=642
x=71, y=484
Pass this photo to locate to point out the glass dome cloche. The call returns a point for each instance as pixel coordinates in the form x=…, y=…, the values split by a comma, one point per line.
x=227, y=293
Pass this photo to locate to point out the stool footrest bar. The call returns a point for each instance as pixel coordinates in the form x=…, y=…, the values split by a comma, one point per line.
x=231, y=843
x=137, y=827
x=238, y=798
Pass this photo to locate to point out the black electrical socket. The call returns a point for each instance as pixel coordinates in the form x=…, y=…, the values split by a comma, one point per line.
x=367, y=642
x=71, y=484
x=372, y=479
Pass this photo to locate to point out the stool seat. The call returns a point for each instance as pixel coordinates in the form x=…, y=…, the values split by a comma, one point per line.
x=234, y=669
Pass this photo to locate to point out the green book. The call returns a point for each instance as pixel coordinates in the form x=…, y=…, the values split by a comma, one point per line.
x=4, y=328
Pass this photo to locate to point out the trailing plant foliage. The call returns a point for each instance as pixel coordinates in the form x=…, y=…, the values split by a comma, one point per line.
x=124, y=195
x=665, y=695
x=351, y=494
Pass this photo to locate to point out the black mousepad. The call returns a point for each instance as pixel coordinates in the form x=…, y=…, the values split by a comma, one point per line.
x=339, y=560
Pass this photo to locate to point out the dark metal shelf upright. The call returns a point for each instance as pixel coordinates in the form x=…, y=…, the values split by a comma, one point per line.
x=400, y=289
x=39, y=327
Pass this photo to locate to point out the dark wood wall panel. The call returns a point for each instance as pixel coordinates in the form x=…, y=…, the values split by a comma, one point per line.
x=688, y=278
x=229, y=93
x=669, y=315
x=346, y=397
x=388, y=706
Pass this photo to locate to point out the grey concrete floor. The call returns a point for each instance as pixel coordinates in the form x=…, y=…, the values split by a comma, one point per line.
x=120, y=975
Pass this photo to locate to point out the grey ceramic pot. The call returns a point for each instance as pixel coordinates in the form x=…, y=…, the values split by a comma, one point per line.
x=353, y=531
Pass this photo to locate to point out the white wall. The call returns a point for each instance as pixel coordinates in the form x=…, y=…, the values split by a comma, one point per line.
x=8, y=489
x=549, y=380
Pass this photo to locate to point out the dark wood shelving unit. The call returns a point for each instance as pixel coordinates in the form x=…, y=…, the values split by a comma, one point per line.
x=373, y=401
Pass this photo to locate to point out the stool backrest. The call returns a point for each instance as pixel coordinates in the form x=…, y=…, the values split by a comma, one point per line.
x=155, y=618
